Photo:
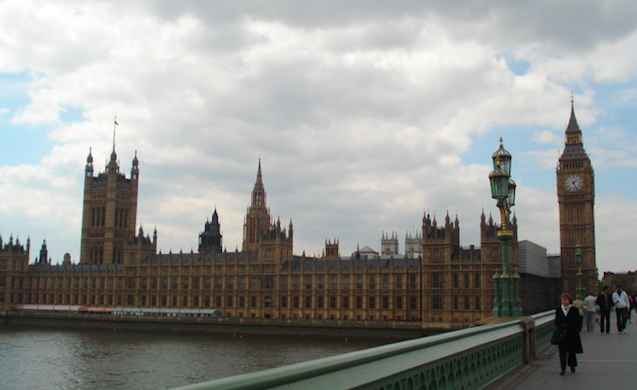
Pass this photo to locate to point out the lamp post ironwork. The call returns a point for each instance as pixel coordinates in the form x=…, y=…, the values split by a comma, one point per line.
x=506, y=302
x=578, y=260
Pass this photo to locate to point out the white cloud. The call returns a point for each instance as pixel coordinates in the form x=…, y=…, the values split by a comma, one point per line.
x=362, y=113
x=613, y=214
x=547, y=137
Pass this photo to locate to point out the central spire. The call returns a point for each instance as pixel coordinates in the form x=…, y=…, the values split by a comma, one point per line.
x=258, y=193
x=257, y=220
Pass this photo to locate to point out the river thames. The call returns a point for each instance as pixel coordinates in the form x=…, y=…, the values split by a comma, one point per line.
x=80, y=359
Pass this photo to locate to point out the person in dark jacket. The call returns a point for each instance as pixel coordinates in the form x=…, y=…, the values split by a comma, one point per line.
x=605, y=303
x=567, y=318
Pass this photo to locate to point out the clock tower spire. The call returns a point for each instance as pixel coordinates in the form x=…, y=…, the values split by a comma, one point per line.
x=576, y=198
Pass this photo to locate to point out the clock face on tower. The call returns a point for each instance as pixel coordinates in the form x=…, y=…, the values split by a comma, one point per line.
x=573, y=183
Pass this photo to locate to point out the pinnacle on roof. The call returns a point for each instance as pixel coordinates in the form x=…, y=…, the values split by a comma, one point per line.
x=573, y=127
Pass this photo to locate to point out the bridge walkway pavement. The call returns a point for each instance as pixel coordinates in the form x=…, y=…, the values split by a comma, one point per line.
x=608, y=361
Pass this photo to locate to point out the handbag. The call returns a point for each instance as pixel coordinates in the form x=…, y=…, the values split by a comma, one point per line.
x=559, y=335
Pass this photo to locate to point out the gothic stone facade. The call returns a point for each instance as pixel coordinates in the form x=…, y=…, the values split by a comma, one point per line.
x=442, y=283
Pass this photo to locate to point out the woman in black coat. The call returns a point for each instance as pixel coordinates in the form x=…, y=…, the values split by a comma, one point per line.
x=567, y=317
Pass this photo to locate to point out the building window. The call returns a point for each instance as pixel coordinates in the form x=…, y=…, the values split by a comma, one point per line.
x=455, y=302
x=413, y=284
x=478, y=304
x=230, y=282
x=385, y=282
x=385, y=302
x=321, y=282
x=399, y=302
x=345, y=302
x=308, y=302
x=297, y=283
x=333, y=284
x=284, y=282
x=230, y=301
x=253, y=301
x=346, y=282
x=477, y=281
x=359, y=282
x=242, y=283
x=332, y=302
x=321, y=303
x=295, y=302
x=242, y=301
x=436, y=281
x=436, y=256
x=372, y=282
x=372, y=302
x=359, y=302
x=269, y=284
x=267, y=301
x=436, y=302
x=466, y=280
x=308, y=282
x=399, y=282
x=413, y=303
x=284, y=301
x=467, y=306
x=456, y=283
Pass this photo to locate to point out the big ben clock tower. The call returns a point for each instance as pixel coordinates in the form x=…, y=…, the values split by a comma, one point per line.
x=576, y=197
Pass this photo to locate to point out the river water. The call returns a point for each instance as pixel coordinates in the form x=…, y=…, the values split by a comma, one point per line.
x=79, y=359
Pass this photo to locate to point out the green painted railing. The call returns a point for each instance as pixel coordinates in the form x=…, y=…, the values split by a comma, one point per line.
x=464, y=359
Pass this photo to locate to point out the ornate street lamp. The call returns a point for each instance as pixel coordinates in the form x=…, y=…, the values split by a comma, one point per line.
x=506, y=303
x=578, y=260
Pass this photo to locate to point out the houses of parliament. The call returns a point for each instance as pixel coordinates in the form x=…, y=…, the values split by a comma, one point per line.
x=436, y=280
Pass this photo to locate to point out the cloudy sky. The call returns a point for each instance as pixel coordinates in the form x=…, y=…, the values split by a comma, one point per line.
x=365, y=114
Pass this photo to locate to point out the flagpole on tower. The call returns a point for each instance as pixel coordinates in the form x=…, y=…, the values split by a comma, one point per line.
x=115, y=124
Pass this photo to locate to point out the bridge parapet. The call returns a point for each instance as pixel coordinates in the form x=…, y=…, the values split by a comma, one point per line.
x=464, y=359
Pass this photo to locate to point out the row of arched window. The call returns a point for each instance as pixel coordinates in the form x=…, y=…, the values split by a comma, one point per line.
x=121, y=217
x=98, y=217
x=96, y=254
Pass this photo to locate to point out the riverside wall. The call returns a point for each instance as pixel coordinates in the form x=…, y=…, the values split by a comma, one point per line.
x=388, y=329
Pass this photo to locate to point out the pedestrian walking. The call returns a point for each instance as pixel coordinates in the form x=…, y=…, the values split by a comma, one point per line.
x=567, y=319
x=622, y=305
x=605, y=303
x=590, y=306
